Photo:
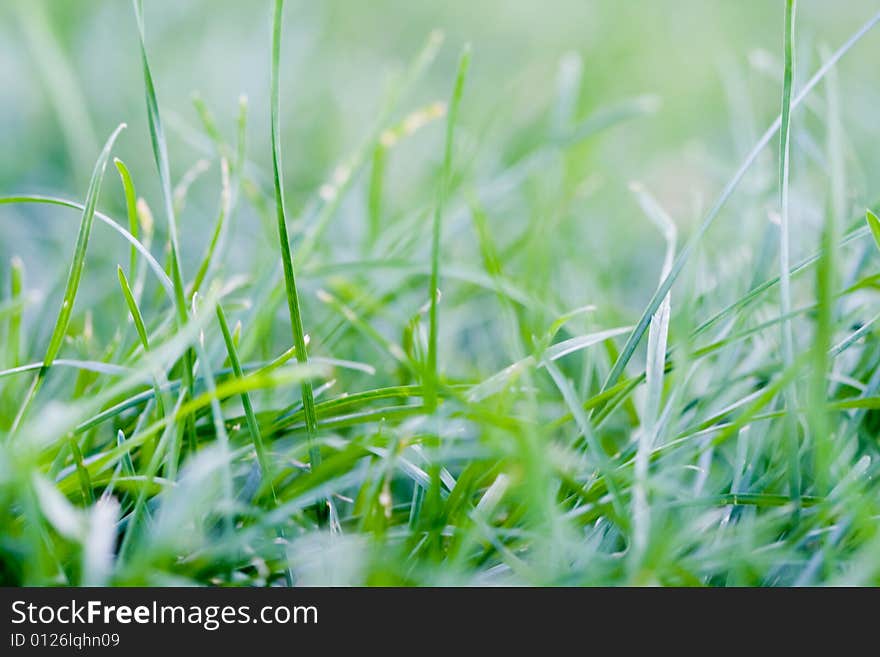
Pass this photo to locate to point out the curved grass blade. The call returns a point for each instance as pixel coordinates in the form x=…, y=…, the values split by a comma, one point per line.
x=131, y=210
x=103, y=218
x=73, y=277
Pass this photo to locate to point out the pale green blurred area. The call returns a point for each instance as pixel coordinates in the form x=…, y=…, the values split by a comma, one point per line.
x=70, y=72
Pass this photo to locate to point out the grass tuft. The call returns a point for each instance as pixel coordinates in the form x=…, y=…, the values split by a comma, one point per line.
x=180, y=430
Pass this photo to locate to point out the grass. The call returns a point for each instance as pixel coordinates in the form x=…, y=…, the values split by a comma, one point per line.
x=73, y=279
x=787, y=341
x=293, y=306
x=471, y=404
x=431, y=375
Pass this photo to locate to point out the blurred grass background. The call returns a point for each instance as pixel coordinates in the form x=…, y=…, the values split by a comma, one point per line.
x=69, y=72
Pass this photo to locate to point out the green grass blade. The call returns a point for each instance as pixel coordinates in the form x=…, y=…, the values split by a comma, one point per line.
x=13, y=332
x=826, y=284
x=73, y=276
x=138, y=320
x=133, y=308
x=374, y=192
x=266, y=471
x=874, y=225
x=293, y=305
x=790, y=396
x=85, y=482
x=131, y=210
x=602, y=462
x=103, y=218
x=784, y=187
x=431, y=374
x=160, y=154
x=252, y=423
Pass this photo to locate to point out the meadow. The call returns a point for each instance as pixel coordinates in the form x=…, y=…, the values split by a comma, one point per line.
x=559, y=294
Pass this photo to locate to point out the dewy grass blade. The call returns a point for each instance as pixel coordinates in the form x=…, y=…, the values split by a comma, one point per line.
x=635, y=337
x=431, y=375
x=293, y=305
x=73, y=277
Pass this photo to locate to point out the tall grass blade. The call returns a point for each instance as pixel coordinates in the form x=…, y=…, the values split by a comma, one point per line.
x=826, y=283
x=443, y=188
x=790, y=397
x=160, y=155
x=293, y=304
